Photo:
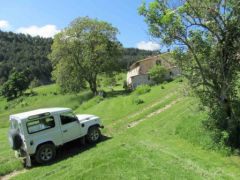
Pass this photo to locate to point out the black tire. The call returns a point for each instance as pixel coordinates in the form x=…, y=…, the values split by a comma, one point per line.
x=93, y=135
x=15, y=139
x=45, y=153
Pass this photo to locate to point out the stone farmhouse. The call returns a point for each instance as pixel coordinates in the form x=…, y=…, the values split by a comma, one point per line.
x=138, y=73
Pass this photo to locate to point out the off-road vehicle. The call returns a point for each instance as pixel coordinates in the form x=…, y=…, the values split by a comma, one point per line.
x=37, y=134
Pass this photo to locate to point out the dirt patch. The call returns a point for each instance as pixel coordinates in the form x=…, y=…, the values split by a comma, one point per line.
x=12, y=174
x=134, y=123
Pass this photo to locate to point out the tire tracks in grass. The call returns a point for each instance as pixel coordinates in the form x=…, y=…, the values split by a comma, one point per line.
x=13, y=174
x=134, y=123
x=141, y=111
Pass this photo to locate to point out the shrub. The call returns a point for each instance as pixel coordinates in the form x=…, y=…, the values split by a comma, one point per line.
x=158, y=74
x=137, y=100
x=143, y=89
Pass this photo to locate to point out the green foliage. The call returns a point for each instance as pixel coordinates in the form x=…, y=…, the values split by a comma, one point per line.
x=125, y=86
x=15, y=85
x=109, y=81
x=158, y=74
x=142, y=89
x=131, y=55
x=21, y=51
x=137, y=100
x=35, y=83
x=66, y=77
x=207, y=37
x=82, y=51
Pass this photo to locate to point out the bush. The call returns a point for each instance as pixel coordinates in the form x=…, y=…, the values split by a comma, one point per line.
x=137, y=100
x=158, y=74
x=143, y=89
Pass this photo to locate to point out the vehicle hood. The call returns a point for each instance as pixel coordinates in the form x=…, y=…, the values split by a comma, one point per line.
x=86, y=117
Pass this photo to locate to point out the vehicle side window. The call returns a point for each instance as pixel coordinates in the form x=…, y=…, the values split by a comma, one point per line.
x=67, y=118
x=40, y=124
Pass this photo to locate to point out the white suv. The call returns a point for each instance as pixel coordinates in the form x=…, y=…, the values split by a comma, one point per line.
x=39, y=132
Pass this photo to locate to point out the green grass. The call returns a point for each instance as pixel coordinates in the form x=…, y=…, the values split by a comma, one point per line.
x=169, y=145
x=47, y=96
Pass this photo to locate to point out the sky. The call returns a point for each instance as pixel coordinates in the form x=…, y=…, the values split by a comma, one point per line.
x=47, y=17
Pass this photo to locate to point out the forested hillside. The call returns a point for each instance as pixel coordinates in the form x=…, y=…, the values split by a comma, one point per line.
x=130, y=55
x=21, y=51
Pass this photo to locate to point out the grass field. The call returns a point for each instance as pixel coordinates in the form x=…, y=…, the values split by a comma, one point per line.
x=162, y=138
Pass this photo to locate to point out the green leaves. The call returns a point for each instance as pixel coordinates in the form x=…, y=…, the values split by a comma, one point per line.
x=16, y=84
x=207, y=35
x=158, y=74
x=87, y=47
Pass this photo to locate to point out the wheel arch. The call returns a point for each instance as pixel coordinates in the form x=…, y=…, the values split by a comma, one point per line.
x=95, y=125
x=46, y=142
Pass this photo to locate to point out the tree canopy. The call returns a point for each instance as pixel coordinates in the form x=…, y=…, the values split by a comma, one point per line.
x=16, y=84
x=207, y=36
x=82, y=51
x=158, y=74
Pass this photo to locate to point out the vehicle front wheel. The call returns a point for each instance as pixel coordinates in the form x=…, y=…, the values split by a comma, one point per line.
x=93, y=135
x=45, y=153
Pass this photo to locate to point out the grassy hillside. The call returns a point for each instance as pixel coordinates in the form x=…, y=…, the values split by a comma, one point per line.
x=161, y=138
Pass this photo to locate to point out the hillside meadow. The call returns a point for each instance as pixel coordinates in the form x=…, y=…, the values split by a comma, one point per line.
x=161, y=137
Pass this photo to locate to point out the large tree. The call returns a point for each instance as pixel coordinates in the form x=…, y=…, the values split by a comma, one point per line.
x=16, y=84
x=82, y=51
x=207, y=36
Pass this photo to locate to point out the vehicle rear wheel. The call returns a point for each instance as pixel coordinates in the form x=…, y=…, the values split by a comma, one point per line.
x=45, y=153
x=93, y=135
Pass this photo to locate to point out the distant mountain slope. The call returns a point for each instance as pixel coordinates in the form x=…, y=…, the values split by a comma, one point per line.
x=131, y=55
x=21, y=51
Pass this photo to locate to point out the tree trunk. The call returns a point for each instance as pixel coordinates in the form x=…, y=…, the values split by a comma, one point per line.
x=230, y=122
x=93, y=87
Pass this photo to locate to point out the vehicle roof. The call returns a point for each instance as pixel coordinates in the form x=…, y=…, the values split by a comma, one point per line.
x=25, y=115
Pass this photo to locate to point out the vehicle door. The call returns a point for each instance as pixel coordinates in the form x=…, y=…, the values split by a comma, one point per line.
x=70, y=126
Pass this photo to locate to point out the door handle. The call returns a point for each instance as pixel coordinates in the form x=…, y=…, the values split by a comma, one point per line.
x=64, y=131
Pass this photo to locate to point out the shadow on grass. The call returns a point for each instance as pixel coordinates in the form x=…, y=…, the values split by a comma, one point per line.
x=115, y=93
x=71, y=149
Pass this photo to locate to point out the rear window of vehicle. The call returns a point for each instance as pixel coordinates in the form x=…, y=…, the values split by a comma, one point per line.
x=40, y=124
